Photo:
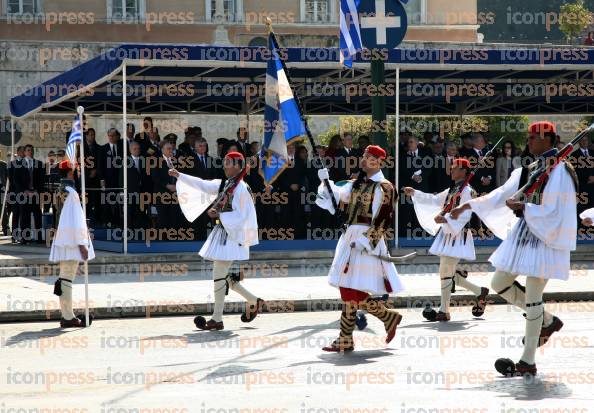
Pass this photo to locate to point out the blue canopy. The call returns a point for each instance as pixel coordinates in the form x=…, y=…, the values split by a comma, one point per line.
x=475, y=80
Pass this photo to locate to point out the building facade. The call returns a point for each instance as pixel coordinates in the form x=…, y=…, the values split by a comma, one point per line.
x=42, y=38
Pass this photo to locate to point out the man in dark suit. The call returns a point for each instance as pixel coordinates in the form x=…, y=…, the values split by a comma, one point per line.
x=138, y=184
x=92, y=151
x=292, y=183
x=202, y=167
x=415, y=169
x=243, y=139
x=28, y=179
x=15, y=208
x=143, y=137
x=186, y=148
x=110, y=171
x=484, y=179
x=169, y=215
x=350, y=155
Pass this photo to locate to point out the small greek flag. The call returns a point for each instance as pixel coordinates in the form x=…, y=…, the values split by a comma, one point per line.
x=350, y=34
x=75, y=136
x=282, y=117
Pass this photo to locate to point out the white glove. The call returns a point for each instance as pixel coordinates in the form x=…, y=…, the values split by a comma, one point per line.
x=323, y=174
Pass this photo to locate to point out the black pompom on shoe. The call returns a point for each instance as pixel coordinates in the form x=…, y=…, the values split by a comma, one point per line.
x=506, y=367
x=429, y=313
x=82, y=319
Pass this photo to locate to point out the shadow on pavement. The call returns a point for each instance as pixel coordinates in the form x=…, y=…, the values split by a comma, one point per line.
x=520, y=388
x=36, y=335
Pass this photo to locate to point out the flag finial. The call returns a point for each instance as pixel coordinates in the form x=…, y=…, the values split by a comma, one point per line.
x=268, y=23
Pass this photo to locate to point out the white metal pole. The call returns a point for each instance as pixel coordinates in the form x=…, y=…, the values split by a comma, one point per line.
x=4, y=200
x=83, y=192
x=397, y=152
x=125, y=159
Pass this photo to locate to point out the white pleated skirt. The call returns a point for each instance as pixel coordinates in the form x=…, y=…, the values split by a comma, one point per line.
x=446, y=245
x=218, y=247
x=364, y=272
x=523, y=253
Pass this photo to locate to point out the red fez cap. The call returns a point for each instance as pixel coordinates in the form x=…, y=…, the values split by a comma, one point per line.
x=376, y=151
x=461, y=163
x=542, y=127
x=65, y=164
x=235, y=155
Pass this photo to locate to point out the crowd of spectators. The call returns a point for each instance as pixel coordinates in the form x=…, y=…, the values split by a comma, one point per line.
x=286, y=209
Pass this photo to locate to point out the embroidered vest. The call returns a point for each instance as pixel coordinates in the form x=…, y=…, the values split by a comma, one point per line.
x=359, y=209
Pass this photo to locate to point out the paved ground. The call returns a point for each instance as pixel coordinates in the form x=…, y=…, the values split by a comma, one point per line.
x=115, y=294
x=275, y=366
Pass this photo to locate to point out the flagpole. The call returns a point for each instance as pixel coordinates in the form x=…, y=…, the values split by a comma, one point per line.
x=397, y=155
x=317, y=158
x=125, y=158
x=83, y=190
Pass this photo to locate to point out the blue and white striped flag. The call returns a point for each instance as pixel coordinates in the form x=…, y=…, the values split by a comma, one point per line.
x=350, y=34
x=282, y=118
x=75, y=136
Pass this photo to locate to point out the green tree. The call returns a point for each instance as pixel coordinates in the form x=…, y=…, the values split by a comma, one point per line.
x=574, y=19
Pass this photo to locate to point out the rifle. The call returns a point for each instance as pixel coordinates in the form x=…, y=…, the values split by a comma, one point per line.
x=542, y=167
x=317, y=161
x=229, y=186
x=469, y=177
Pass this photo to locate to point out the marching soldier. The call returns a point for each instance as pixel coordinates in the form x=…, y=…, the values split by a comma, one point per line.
x=71, y=244
x=453, y=240
x=233, y=235
x=356, y=269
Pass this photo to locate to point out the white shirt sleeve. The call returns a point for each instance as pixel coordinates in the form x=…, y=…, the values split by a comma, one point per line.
x=341, y=194
x=427, y=206
x=195, y=195
x=491, y=207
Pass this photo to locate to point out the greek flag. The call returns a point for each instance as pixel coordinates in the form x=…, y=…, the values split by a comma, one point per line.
x=75, y=136
x=350, y=34
x=282, y=118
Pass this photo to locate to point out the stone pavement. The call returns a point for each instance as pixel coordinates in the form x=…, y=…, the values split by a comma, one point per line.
x=274, y=365
x=176, y=293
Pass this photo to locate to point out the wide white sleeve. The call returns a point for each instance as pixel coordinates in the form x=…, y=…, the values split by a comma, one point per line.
x=427, y=206
x=341, y=194
x=491, y=208
x=241, y=223
x=195, y=195
x=72, y=229
x=454, y=226
x=554, y=221
x=588, y=213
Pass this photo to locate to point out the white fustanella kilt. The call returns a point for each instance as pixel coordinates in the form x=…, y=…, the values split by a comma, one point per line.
x=218, y=247
x=365, y=272
x=448, y=246
x=523, y=253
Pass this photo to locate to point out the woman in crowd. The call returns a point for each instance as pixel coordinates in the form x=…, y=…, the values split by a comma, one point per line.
x=507, y=162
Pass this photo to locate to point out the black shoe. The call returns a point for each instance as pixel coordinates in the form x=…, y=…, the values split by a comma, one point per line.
x=337, y=346
x=82, y=319
x=508, y=368
x=251, y=311
x=547, y=332
x=481, y=303
x=429, y=313
x=74, y=323
x=202, y=324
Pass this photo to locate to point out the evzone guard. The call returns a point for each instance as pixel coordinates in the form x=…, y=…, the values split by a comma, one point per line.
x=230, y=202
x=357, y=271
x=71, y=244
x=538, y=233
x=453, y=238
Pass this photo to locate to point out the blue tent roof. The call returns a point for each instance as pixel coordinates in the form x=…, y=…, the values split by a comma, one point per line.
x=213, y=79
